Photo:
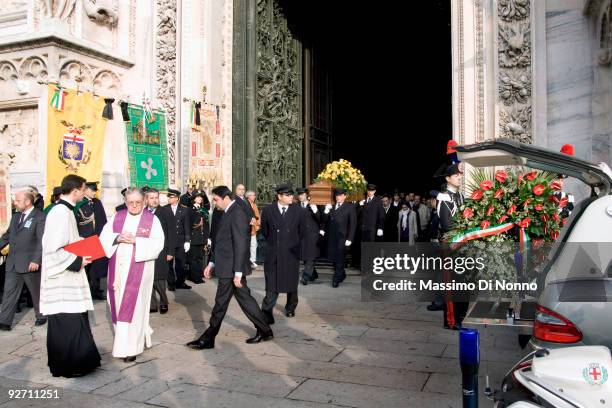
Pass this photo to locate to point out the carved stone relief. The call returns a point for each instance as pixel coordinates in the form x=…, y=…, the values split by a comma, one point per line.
x=165, y=73
x=605, y=37
x=514, y=55
x=19, y=138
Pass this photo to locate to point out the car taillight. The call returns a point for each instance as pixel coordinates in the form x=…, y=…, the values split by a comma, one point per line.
x=551, y=326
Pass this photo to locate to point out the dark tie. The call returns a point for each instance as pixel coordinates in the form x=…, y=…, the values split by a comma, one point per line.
x=369, y=199
x=21, y=219
x=283, y=211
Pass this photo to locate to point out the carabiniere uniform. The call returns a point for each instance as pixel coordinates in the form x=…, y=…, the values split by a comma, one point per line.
x=200, y=232
x=449, y=203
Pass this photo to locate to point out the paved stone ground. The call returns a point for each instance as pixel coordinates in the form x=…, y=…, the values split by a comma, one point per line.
x=337, y=351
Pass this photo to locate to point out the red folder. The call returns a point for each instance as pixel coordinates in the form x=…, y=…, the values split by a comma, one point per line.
x=87, y=247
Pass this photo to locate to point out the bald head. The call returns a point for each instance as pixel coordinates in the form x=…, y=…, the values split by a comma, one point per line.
x=24, y=199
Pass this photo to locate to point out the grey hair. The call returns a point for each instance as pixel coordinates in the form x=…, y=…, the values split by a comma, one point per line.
x=29, y=193
x=249, y=193
x=132, y=190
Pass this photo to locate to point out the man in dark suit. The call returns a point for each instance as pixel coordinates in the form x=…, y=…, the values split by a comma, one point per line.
x=166, y=219
x=121, y=206
x=373, y=221
x=182, y=240
x=25, y=256
x=230, y=262
x=310, y=237
x=243, y=203
x=282, y=225
x=91, y=218
x=391, y=218
x=342, y=221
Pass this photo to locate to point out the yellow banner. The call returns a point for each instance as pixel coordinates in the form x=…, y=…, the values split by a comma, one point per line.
x=75, y=136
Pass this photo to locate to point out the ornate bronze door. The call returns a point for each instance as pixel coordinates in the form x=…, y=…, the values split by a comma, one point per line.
x=267, y=98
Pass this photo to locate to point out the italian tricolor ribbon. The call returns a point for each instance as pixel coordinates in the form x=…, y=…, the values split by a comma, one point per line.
x=57, y=100
x=476, y=233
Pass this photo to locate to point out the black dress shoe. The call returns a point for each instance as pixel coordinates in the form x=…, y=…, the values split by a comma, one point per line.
x=40, y=321
x=163, y=309
x=259, y=337
x=183, y=286
x=130, y=359
x=314, y=276
x=291, y=313
x=5, y=327
x=201, y=344
x=152, y=310
x=304, y=281
x=334, y=284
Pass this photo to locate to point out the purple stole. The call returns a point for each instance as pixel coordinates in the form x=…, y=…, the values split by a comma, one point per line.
x=132, y=286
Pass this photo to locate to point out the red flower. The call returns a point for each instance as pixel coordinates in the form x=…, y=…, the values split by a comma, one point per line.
x=501, y=176
x=490, y=210
x=544, y=217
x=502, y=219
x=555, y=217
x=539, y=207
x=563, y=202
x=554, y=235
x=524, y=223
x=486, y=185
x=468, y=212
x=531, y=175
x=538, y=242
x=499, y=194
x=538, y=189
x=511, y=210
x=554, y=199
x=527, y=201
x=477, y=195
x=520, y=179
x=556, y=185
x=485, y=224
x=564, y=221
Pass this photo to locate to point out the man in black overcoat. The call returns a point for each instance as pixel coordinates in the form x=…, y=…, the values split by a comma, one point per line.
x=311, y=235
x=282, y=227
x=341, y=223
x=165, y=256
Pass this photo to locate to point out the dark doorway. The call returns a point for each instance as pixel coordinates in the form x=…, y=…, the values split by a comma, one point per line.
x=380, y=83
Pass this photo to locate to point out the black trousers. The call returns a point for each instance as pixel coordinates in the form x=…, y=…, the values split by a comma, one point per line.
x=176, y=274
x=225, y=291
x=271, y=297
x=195, y=258
x=309, y=270
x=94, y=280
x=339, y=273
x=159, y=288
x=13, y=287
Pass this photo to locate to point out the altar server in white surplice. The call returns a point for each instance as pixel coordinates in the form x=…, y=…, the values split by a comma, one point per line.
x=132, y=239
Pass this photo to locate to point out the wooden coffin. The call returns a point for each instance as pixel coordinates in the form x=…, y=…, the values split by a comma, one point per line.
x=321, y=193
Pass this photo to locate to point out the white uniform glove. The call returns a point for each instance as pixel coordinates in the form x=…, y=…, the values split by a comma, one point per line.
x=186, y=246
x=209, y=242
x=314, y=208
x=362, y=202
x=328, y=207
x=347, y=243
x=379, y=232
x=322, y=233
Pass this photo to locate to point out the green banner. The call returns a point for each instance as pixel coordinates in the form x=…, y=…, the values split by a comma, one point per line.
x=147, y=149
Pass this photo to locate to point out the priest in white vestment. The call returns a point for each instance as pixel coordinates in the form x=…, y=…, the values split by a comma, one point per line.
x=132, y=240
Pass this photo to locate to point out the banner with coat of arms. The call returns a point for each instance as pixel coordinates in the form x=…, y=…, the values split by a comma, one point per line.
x=147, y=149
x=75, y=140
